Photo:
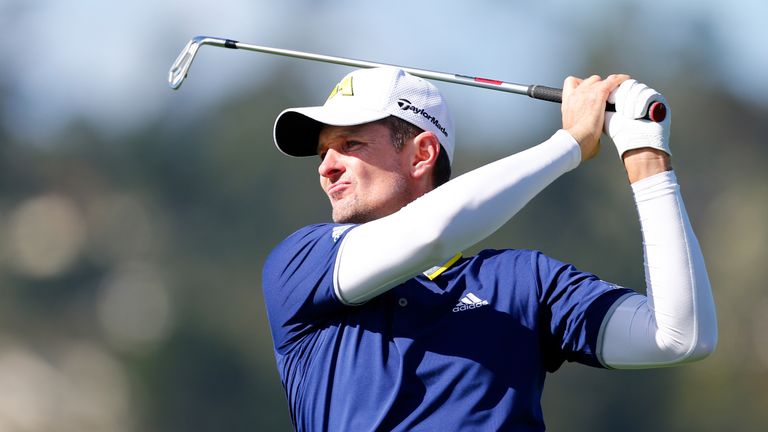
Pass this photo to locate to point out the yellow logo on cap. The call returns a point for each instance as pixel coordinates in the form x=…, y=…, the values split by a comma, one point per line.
x=344, y=88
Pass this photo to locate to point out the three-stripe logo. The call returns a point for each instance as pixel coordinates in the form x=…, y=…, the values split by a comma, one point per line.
x=469, y=301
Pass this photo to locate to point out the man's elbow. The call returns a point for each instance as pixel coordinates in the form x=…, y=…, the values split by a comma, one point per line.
x=705, y=346
x=702, y=347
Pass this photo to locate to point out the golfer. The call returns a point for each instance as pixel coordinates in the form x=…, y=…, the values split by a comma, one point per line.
x=381, y=324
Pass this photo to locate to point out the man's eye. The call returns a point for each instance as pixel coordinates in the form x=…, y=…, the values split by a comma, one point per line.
x=351, y=145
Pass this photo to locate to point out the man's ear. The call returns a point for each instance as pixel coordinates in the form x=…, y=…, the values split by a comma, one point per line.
x=426, y=148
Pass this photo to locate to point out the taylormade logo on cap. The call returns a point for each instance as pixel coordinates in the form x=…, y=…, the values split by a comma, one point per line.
x=406, y=105
x=364, y=96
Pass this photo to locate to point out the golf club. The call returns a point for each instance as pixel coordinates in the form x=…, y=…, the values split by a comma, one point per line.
x=180, y=69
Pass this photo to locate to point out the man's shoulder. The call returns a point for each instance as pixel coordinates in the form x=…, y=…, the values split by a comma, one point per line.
x=316, y=232
x=321, y=238
x=508, y=255
x=514, y=263
x=535, y=256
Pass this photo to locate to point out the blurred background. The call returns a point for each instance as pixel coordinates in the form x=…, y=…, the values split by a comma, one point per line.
x=134, y=220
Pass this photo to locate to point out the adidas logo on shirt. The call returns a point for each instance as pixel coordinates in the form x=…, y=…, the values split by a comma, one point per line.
x=336, y=232
x=469, y=301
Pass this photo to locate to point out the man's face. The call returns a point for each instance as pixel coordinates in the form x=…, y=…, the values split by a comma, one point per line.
x=362, y=173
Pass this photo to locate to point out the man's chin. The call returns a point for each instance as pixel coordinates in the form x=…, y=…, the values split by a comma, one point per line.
x=354, y=217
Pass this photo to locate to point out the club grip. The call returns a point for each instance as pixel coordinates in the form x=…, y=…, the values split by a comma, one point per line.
x=550, y=94
x=657, y=112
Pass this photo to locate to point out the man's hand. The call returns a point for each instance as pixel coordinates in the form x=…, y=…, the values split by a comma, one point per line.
x=583, y=109
x=626, y=127
x=643, y=145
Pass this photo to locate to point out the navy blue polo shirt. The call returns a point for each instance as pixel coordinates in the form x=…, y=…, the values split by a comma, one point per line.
x=466, y=347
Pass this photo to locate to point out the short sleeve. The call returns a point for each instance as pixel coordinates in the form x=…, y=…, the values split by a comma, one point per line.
x=574, y=306
x=298, y=282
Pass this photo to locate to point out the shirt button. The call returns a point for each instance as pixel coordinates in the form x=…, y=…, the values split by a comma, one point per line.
x=403, y=302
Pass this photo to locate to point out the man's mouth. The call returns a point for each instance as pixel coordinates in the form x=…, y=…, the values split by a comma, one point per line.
x=337, y=188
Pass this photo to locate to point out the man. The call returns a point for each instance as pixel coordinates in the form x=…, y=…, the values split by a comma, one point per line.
x=378, y=321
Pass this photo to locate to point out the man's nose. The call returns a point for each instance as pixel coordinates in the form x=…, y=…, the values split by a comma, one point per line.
x=331, y=166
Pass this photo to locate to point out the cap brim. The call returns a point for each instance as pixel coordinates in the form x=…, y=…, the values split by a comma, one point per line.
x=297, y=129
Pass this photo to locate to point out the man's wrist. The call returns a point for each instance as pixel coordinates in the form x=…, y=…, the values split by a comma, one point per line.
x=588, y=145
x=644, y=162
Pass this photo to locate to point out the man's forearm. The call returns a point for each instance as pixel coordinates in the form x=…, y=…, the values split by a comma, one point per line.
x=676, y=322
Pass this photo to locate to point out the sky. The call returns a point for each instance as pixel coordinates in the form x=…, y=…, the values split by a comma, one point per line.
x=107, y=62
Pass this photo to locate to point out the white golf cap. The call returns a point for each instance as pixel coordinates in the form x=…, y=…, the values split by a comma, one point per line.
x=364, y=96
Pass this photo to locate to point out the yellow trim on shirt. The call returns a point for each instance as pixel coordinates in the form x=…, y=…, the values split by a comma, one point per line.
x=438, y=270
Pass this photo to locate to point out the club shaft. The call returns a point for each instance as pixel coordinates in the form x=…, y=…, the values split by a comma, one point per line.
x=439, y=76
x=427, y=74
x=181, y=66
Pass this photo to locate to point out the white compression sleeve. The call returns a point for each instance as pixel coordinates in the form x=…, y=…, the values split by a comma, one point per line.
x=379, y=255
x=675, y=323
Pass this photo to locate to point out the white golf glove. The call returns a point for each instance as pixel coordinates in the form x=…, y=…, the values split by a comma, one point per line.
x=626, y=127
